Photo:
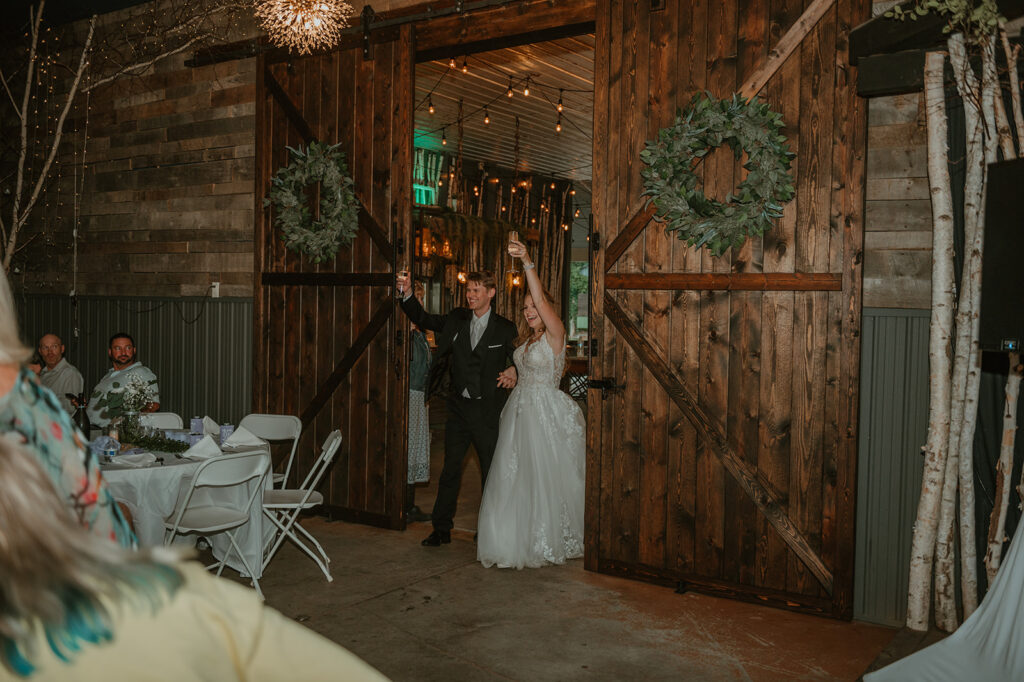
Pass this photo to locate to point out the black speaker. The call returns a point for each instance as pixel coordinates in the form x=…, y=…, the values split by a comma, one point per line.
x=1002, y=273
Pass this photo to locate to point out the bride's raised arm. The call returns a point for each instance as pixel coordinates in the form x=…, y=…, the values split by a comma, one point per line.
x=554, y=330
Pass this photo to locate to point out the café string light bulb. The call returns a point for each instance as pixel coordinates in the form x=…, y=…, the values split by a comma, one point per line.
x=487, y=117
x=558, y=124
x=444, y=139
x=510, y=93
x=560, y=105
x=451, y=63
x=526, y=88
x=465, y=65
x=304, y=25
x=430, y=105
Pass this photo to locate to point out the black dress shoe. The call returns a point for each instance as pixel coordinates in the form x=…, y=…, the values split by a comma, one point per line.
x=437, y=538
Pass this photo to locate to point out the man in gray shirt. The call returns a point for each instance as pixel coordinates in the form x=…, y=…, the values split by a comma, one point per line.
x=57, y=374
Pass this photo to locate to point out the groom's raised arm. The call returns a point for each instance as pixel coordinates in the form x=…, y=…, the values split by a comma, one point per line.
x=414, y=311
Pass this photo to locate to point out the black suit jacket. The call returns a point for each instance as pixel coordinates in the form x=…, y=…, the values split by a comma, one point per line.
x=493, y=351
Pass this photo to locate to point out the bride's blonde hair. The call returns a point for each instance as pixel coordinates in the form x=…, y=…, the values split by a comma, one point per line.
x=526, y=332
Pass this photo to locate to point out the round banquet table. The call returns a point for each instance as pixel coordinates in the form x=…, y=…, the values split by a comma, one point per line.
x=151, y=493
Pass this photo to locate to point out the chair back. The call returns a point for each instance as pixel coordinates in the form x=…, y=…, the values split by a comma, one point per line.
x=276, y=427
x=161, y=420
x=330, y=450
x=227, y=471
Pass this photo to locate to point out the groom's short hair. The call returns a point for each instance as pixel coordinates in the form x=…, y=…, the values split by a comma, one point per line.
x=484, y=278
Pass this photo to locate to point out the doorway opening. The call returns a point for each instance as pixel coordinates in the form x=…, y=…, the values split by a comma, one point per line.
x=504, y=142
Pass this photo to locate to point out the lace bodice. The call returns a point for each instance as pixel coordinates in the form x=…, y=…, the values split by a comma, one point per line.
x=537, y=365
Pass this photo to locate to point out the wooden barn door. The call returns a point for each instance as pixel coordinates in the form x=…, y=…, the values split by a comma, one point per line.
x=327, y=341
x=722, y=455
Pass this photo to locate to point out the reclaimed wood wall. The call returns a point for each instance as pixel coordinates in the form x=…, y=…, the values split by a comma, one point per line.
x=727, y=461
x=165, y=207
x=326, y=336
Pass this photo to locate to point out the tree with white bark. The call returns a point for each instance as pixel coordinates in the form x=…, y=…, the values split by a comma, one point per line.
x=91, y=54
x=948, y=471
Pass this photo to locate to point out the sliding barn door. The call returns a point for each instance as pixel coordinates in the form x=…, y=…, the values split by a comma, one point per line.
x=722, y=450
x=328, y=337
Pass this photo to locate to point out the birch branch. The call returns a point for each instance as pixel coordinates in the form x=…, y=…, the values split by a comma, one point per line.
x=7, y=89
x=1004, y=471
x=30, y=71
x=142, y=66
x=1011, y=61
x=20, y=219
x=936, y=447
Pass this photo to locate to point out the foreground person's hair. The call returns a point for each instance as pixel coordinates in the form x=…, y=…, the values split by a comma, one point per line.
x=58, y=580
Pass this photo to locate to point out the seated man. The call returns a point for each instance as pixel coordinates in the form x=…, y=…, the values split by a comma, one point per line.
x=57, y=374
x=102, y=409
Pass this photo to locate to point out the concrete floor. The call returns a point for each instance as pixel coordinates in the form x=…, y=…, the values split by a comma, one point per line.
x=419, y=613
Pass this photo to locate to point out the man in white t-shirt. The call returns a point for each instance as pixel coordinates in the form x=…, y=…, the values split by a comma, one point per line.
x=57, y=374
x=125, y=368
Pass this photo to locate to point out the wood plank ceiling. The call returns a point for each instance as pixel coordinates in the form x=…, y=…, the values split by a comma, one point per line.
x=558, y=69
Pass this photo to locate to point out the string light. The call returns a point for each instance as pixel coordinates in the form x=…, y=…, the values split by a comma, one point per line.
x=552, y=185
x=487, y=117
x=558, y=124
x=465, y=65
x=572, y=192
x=451, y=62
x=444, y=140
x=509, y=93
x=430, y=105
x=560, y=106
x=526, y=88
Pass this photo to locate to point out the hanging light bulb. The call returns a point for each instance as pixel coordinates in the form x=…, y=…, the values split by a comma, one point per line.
x=509, y=93
x=430, y=105
x=558, y=125
x=577, y=214
x=552, y=185
x=451, y=62
x=513, y=190
x=560, y=106
x=565, y=226
x=444, y=140
x=572, y=192
x=465, y=65
x=526, y=90
x=487, y=117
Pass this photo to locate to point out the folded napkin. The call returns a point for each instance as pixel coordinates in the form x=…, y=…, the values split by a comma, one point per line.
x=135, y=459
x=242, y=437
x=210, y=427
x=204, y=449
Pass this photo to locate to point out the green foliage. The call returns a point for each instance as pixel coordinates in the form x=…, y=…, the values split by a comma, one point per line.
x=579, y=281
x=976, y=19
x=339, y=210
x=671, y=182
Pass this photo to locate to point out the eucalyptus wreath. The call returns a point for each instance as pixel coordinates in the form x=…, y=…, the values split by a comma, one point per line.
x=671, y=181
x=319, y=239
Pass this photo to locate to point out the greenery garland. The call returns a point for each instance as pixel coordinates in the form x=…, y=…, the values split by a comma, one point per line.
x=671, y=181
x=339, y=209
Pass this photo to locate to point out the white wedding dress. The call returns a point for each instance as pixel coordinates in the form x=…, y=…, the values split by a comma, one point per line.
x=531, y=513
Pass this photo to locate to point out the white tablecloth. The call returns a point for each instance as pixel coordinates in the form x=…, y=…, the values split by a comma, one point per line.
x=151, y=493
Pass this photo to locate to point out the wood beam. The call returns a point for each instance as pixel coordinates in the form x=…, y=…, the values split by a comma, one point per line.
x=726, y=281
x=882, y=35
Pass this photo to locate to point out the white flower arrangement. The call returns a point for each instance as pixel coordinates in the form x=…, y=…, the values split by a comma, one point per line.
x=137, y=394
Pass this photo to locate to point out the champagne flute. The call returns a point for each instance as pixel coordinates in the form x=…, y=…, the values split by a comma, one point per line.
x=513, y=236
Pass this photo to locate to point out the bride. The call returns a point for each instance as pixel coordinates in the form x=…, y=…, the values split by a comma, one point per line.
x=531, y=513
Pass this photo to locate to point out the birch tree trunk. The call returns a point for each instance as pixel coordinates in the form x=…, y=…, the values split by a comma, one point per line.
x=966, y=370
x=936, y=447
x=1004, y=471
x=1011, y=61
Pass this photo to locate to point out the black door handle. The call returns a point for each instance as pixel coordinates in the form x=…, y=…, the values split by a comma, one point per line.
x=606, y=385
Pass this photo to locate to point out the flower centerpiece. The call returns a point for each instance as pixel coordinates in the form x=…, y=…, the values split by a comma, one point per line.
x=129, y=403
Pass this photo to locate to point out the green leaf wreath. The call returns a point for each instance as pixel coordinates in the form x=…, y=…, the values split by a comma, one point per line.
x=671, y=181
x=339, y=209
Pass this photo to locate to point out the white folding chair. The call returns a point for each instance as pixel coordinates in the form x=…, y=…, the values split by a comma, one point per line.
x=196, y=515
x=161, y=420
x=283, y=506
x=276, y=427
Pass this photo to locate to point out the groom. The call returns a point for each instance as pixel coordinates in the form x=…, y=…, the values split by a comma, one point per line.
x=481, y=343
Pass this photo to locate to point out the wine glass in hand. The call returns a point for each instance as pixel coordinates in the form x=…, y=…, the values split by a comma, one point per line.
x=513, y=238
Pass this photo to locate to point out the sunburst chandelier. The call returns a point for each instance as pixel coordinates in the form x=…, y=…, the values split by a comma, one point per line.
x=304, y=25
